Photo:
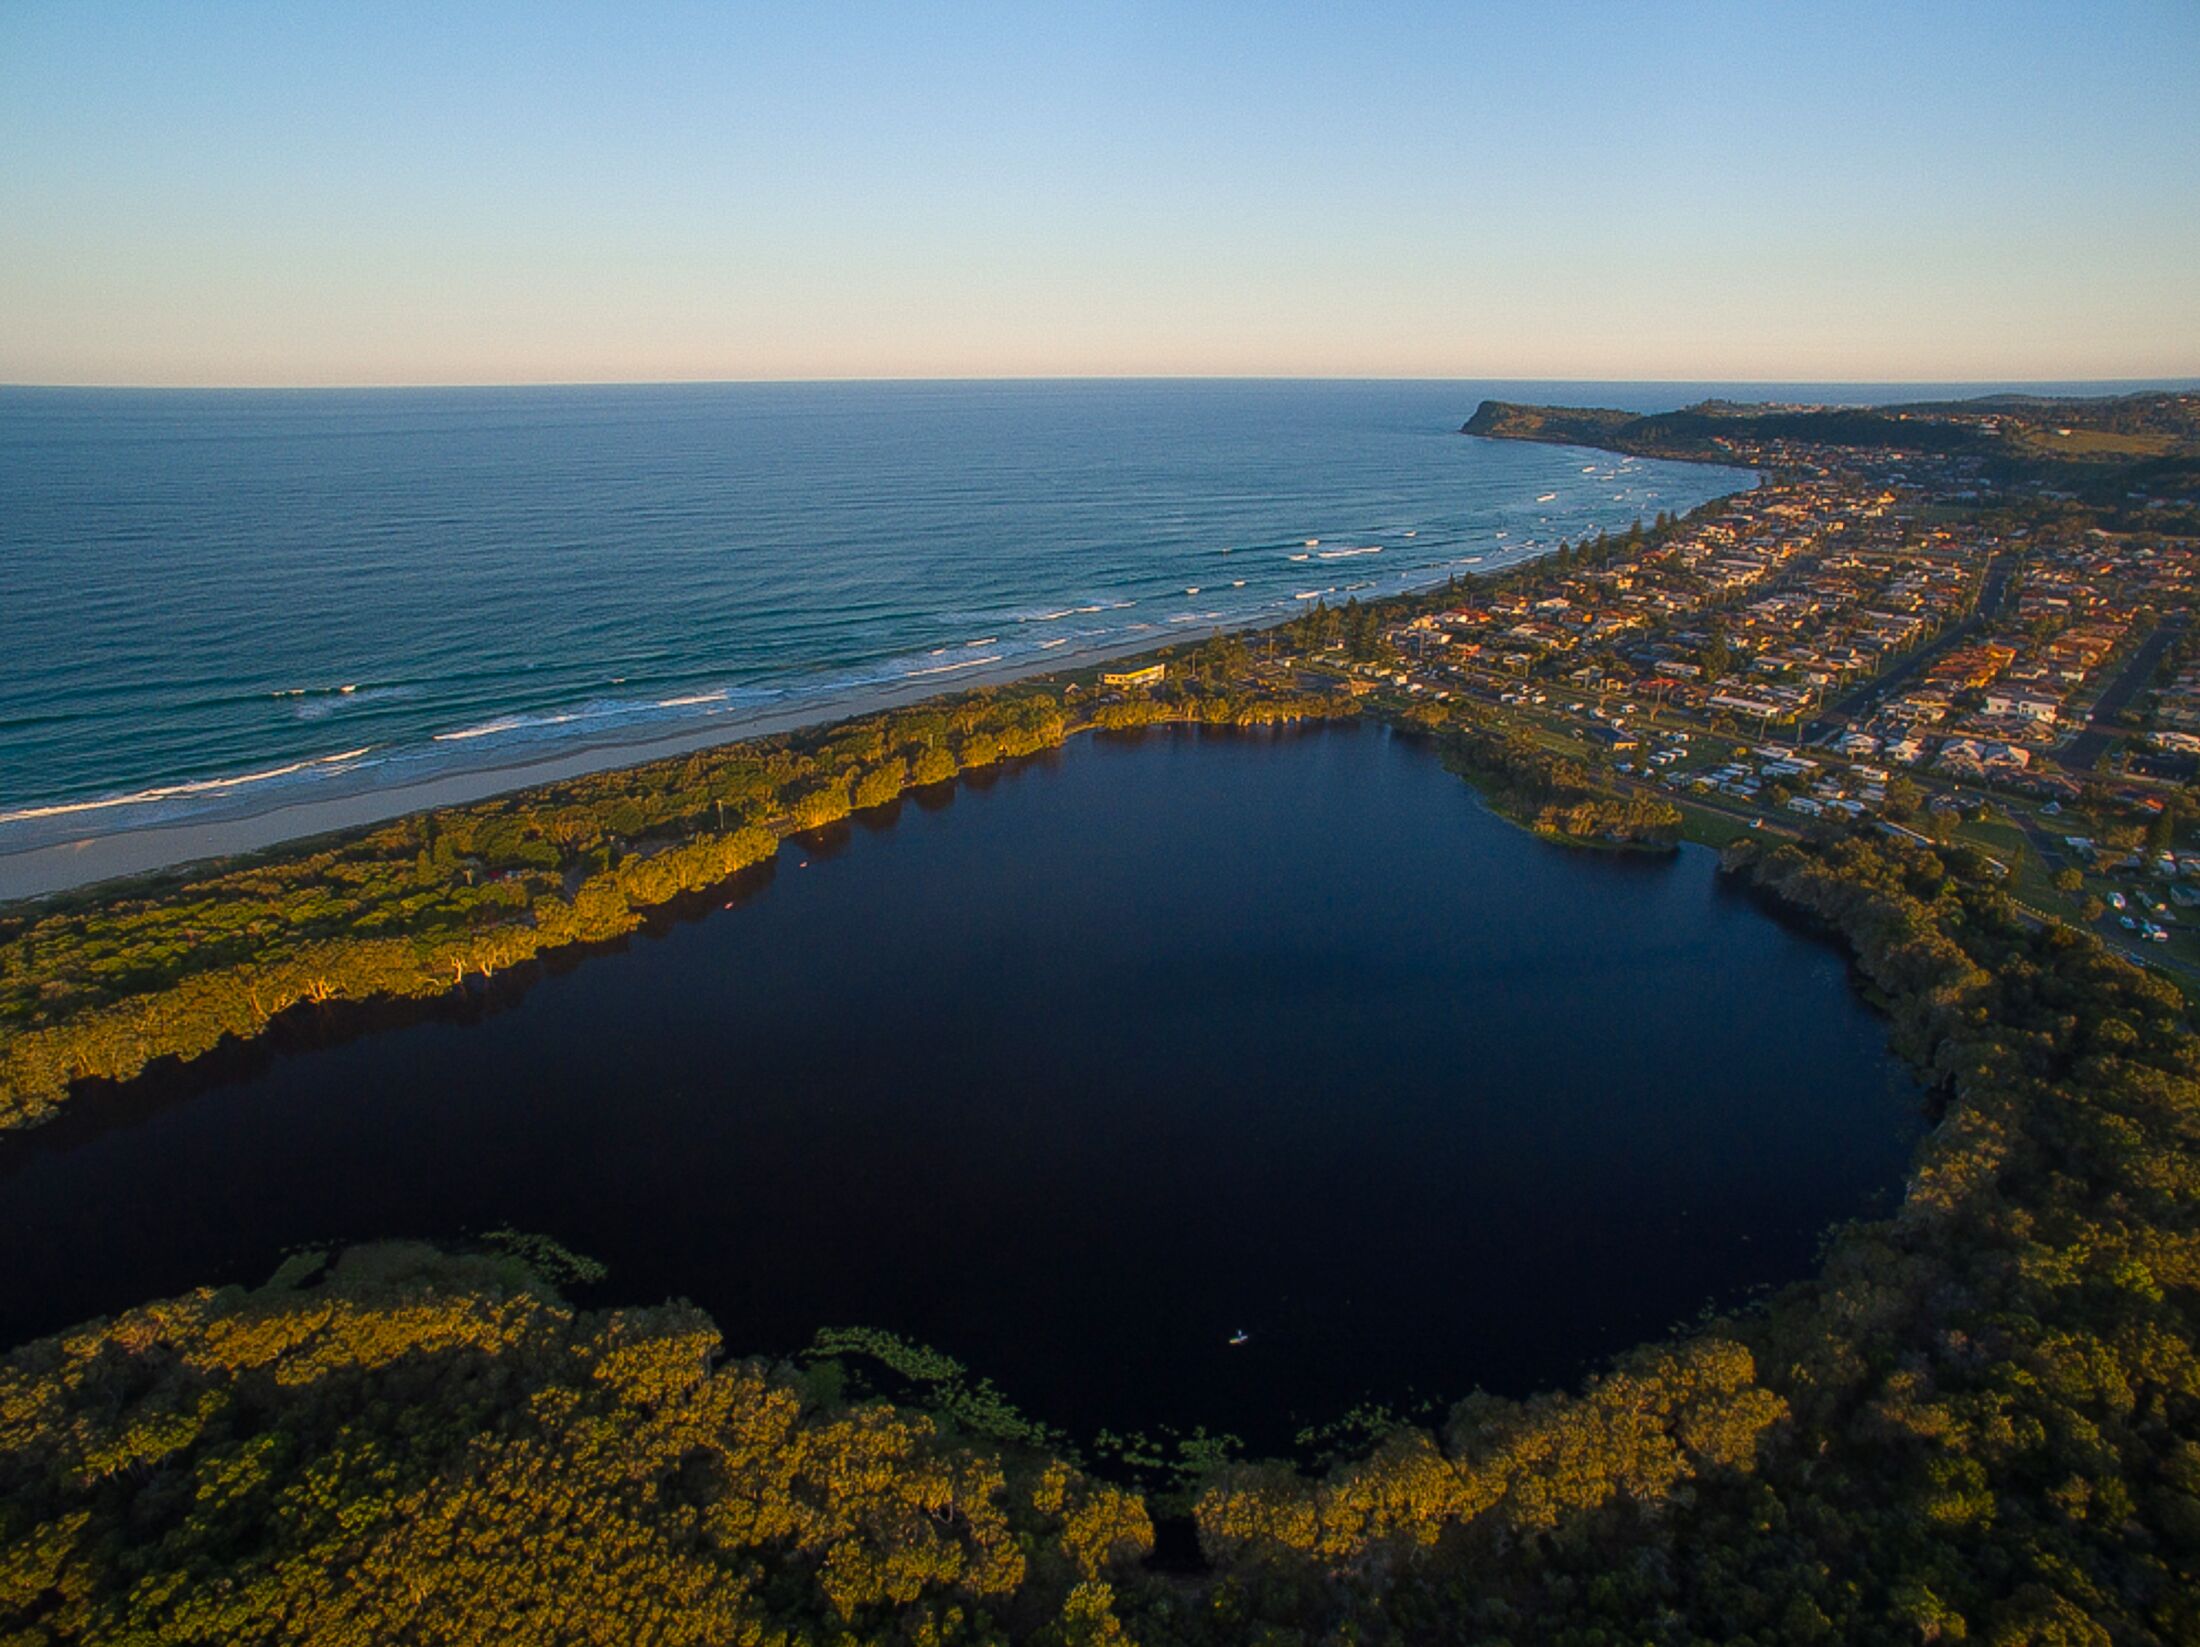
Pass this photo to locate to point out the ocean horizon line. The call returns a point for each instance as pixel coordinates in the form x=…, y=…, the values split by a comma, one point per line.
x=2169, y=383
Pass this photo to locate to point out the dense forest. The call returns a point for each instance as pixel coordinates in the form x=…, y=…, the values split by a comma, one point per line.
x=1977, y=1422
x=97, y=986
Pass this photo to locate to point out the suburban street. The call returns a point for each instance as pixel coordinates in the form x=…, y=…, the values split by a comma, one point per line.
x=1885, y=684
x=2082, y=752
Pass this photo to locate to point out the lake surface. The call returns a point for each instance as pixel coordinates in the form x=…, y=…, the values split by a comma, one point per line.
x=1074, y=1073
x=216, y=602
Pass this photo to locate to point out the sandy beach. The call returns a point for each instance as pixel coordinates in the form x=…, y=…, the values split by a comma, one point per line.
x=112, y=854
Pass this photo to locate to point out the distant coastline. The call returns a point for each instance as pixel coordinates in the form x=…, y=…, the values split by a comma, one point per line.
x=101, y=837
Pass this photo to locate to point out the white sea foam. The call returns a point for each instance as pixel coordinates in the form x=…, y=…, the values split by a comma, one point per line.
x=338, y=700
x=177, y=791
x=488, y=730
x=949, y=668
x=523, y=723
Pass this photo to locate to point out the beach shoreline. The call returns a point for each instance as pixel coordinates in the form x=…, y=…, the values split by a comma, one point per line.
x=245, y=821
x=119, y=854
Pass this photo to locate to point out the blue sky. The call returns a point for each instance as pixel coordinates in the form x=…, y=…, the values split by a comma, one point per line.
x=316, y=193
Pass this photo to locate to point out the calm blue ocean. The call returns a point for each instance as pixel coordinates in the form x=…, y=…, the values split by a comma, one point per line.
x=211, y=598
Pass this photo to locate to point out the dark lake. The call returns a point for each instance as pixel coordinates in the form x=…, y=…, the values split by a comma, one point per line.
x=1074, y=1073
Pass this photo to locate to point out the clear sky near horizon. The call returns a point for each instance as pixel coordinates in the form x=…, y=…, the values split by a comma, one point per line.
x=295, y=193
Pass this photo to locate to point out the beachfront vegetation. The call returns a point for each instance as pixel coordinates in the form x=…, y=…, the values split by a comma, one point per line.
x=98, y=986
x=1975, y=1424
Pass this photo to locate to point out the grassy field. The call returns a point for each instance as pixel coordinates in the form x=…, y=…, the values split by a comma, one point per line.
x=2091, y=443
x=1714, y=829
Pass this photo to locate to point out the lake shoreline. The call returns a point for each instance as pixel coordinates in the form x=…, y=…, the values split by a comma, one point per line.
x=101, y=1104
x=1385, y=776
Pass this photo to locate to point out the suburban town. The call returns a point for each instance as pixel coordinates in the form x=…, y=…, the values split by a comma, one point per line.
x=1875, y=633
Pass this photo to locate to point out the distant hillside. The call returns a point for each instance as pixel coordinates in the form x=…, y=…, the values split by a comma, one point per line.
x=2118, y=451
x=1569, y=425
x=1693, y=431
x=2173, y=419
